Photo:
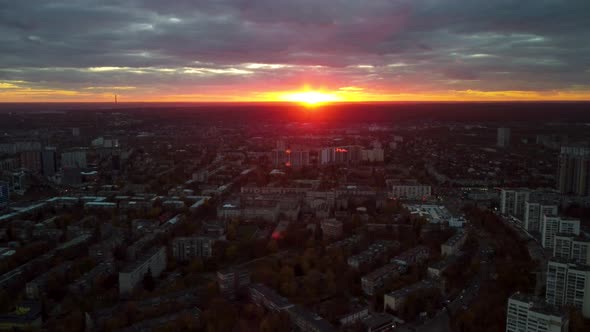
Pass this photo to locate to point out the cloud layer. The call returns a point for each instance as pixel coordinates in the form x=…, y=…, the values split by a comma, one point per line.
x=254, y=49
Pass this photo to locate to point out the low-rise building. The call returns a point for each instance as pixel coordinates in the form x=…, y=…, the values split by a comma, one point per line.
x=35, y=288
x=268, y=298
x=396, y=299
x=332, y=228
x=436, y=270
x=307, y=321
x=371, y=254
x=153, y=261
x=187, y=248
x=434, y=214
x=414, y=256
x=453, y=244
x=357, y=312
x=87, y=281
x=230, y=281
x=346, y=243
x=374, y=281
x=408, y=189
x=380, y=322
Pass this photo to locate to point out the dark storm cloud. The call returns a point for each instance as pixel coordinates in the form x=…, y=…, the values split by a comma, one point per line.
x=453, y=44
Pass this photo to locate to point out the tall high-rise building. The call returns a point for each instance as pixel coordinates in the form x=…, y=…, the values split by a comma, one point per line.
x=526, y=313
x=573, y=248
x=49, y=162
x=534, y=212
x=187, y=248
x=31, y=160
x=573, y=176
x=341, y=155
x=75, y=159
x=4, y=193
x=299, y=158
x=503, y=137
x=295, y=158
x=552, y=225
x=512, y=202
x=568, y=284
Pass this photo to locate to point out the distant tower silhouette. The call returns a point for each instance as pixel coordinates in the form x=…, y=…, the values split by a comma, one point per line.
x=115, y=99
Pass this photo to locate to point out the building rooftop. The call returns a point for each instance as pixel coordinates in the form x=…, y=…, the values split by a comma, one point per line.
x=423, y=284
x=538, y=305
x=141, y=260
x=316, y=321
x=382, y=272
x=455, y=238
x=271, y=295
x=377, y=320
x=571, y=264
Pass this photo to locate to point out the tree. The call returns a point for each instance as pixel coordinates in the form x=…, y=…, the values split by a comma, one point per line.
x=196, y=266
x=221, y=315
x=149, y=283
x=272, y=246
x=273, y=323
x=231, y=252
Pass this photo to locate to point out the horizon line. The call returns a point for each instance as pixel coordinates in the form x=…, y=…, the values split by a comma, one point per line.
x=301, y=104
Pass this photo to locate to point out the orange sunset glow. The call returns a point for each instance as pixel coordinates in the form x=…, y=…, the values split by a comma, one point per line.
x=311, y=98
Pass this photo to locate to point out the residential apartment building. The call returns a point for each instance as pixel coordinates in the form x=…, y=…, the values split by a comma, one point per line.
x=573, y=176
x=575, y=248
x=187, y=248
x=374, y=281
x=306, y=321
x=529, y=314
x=341, y=155
x=552, y=225
x=396, y=299
x=332, y=228
x=408, y=189
x=230, y=281
x=153, y=261
x=416, y=255
x=512, y=202
x=49, y=161
x=371, y=254
x=268, y=298
x=503, y=138
x=290, y=157
x=4, y=194
x=74, y=159
x=31, y=160
x=534, y=212
x=568, y=284
x=453, y=244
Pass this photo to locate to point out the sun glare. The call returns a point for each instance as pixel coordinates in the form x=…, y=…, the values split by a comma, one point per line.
x=311, y=98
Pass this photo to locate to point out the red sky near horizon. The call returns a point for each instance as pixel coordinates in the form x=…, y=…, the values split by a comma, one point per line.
x=294, y=50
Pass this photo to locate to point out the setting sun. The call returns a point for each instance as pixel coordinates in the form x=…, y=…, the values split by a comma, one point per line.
x=311, y=98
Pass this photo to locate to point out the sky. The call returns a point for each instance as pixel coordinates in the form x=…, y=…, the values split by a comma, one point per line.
x=268, y=50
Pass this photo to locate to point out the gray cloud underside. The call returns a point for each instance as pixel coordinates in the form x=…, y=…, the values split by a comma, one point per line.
x=412, y=45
